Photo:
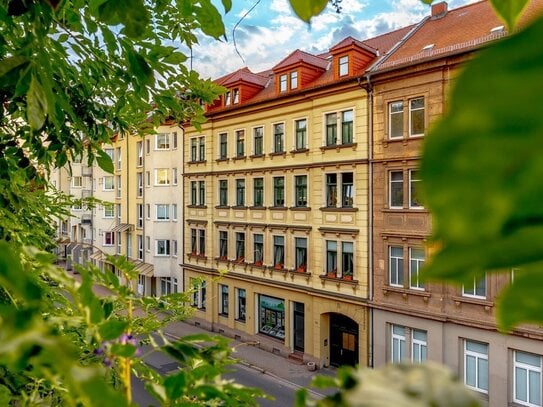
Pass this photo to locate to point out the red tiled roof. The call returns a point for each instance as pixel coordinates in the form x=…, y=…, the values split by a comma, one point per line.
x=458, y=30
x=384, y=42
x=350, y=40
x=244, y=75
x=301, y=56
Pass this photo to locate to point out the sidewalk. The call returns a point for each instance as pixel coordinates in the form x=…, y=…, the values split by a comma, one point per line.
x=259, y=359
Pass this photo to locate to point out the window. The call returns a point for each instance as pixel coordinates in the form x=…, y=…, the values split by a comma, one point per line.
x=147, y=243
x=119, y=179
x=278, y=251
x=235, y=96
x=140, y=215
x=193, y=149
x=194, y=242
x=162, y=247
x=139, y=184
x=223, y=192
x=347, y=127
x=240, y=246
x=162, y=176
x=118, y=211
x=283, y=83
x=193, y=193
x=414, y=185
x=162, y=141
x=331, y=257
x=223, y=245
x=278, y=138
x=202, y=193
x=109, y=211
x=258, y=142
x=527, y=379
x=347, y=254
x=331, y=129
x=395, y=266
x=140, y=247
x=294, y=80
x=147, y=146
x=174, y=140
x=223, y=300
x=240, y=192
x=227, y=98
x=202, y=149
x=271, y=316
x=397, y=353
x=301, y=134
x=300, y=250
x=343, y=68
x=77, y=182
x=109, y=238
x=395, y=120
x=174, y=211
x=416, y=117
x=240, y=304
x=416, y=261
x=109, y=183
x=174, y=248
x=419, y=346
x=223, y=146
x=258, y=249
x=300, y=191
x=174, y=176
x=278, y=191
x=119, y=234
x=119, y=157
x=202, y=242
x=240, y=143
x=477, y=289
x=258, y=192
x=395, y=196
x=162, y=212
x=476, y=365
x=110, y=152
x=198, y=295
x=347, y=190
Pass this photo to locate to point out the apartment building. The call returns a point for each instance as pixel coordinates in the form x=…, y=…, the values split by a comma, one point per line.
x=276, y=184
x=413, y=320
x=140, y=216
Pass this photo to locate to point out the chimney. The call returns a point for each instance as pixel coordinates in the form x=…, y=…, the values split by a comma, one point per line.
x=439, y=9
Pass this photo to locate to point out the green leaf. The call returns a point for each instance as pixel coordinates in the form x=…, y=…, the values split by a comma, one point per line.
x=135, y=17
x=10, y=63
x=63, y=37
x=112, y=329
x=104, y=161
x=175, y=385
x=175, y=58
x=5, y=395
x=210, y=19
x=37, y=104
x=139, y=67
x=13, y=277
x=124, y=350
x=227, y=4
x=305, y=9
x=509, y=10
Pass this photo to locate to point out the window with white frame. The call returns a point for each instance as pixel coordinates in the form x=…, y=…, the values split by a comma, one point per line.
x=109, y=238
x=119, y=213
x=174, y=212
x=416, y=262
x=174, y=176
x=279, y=251
x=279, y=138
x=395, y=265
x=174, y=140
x=223, y=192
x=258, y=140
x=331, y=258
x=294, y=80
x=240, y=143
x=162, y=176
x=162, y=212
x=258, y=249
x=223, y=244
x=300, y=131
x=416, y=117
x=227, y=98
x=139, y=184
x=140, y=247
x=414, y=187
x=194, y=149
x=119, y=157
x=162, y=247
x=240, y=192
x=300, y=253
x=139, y=210
x=395, y=189
x=339, y=259
x=476, y=365
x=283, y=83
x=198, y=242
x=395, y=120
x=110, y=152
x=223, y=300
x=223, y=146
x=527, y=379
x=346, y=186
x=109, y=183
x=147, y=146
x=235, y=95
x=241, y=304
x=278, y=191
x=77, y=181
x=139, y=149
x=109, y=211
x=398, y=344
x=198, y=293
x=300, y=191
x=343, y=65
x=201, y=149
x=339, y=128
x=119, y=186
x=475, y=289
x=240, y=246
x=194, y=193
x=174, y=248
x=119, y=242
x=258, y=192
x=201, y=193
x=419, y=345
x=162, y=141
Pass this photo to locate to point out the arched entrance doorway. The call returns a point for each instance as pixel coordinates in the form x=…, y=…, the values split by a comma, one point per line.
x=343, y=340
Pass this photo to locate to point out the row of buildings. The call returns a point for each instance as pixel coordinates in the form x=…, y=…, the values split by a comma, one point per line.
x=302, y=187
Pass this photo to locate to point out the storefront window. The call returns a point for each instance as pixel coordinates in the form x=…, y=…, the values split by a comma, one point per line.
x=272, y=316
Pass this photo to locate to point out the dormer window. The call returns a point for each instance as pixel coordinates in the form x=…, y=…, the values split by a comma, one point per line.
x=283, y=83
x=227, y=98
x=343, y=65
x=235, y=95
x=294, y=80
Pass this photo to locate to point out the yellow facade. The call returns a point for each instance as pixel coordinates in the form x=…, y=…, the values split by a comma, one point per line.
x=288, y=309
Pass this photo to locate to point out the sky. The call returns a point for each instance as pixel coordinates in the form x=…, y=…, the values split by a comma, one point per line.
x=271, y=31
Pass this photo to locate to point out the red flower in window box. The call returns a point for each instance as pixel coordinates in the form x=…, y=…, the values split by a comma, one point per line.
x=279, y=266
x=348, y=277
x=258, y=263
x=301, y=269
x=331, y=274
x=222, y=258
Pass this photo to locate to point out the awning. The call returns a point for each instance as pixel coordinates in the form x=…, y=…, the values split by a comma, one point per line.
x=96, y=256
x=145, y=269
x=122, y=227
x=70, y=247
